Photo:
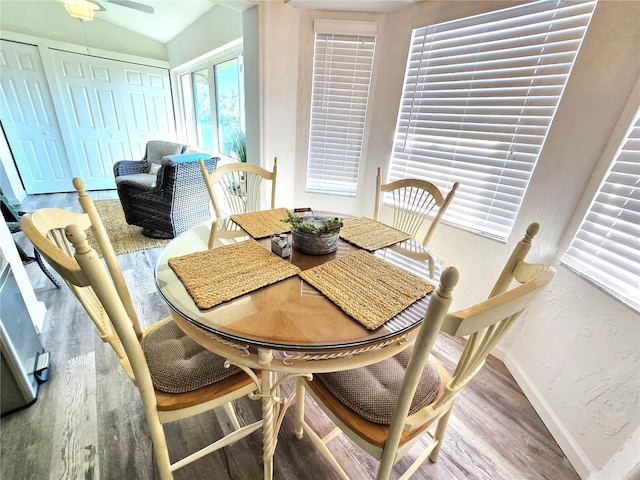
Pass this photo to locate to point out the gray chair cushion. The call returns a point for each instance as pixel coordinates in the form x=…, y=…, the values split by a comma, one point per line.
x=178, y=364
x=372, y=391
x=142, y=180
x=156, y=149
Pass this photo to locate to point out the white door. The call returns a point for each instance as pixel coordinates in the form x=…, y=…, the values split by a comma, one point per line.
x=113, y=108
x=29, y=121
x=91, y=101
x=148, y=106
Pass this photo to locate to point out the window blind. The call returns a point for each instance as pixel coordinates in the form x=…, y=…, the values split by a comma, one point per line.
x=340, y=92
x=606, y=248
x=478, y=98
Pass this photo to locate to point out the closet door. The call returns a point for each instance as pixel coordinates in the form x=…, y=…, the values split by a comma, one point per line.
x=147, y=105
x=91, y=101
x=29, y=121
x=112, y=108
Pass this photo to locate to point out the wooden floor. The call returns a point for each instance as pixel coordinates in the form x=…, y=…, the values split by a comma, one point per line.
x=88, y=422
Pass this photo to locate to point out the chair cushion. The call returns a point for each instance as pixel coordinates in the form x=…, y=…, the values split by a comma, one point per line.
x=178, y=364
x=141, y=180
x=372, y=391
x=156, y=149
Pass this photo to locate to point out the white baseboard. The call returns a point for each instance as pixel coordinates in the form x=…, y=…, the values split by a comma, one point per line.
x=569, y=446
x=500, y=353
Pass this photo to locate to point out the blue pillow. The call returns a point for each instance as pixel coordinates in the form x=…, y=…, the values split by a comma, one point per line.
x=185, y=157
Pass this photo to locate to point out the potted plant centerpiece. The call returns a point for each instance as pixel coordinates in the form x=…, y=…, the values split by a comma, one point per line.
x=313, y=234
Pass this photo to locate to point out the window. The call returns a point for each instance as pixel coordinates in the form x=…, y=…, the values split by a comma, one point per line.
x=606, y=248
x=212, y=100
x=342, y=65
x=478, y=98
x=202, y=108
x=227, y=90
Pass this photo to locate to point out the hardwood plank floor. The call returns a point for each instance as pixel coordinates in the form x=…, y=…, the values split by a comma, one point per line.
x=88, y=420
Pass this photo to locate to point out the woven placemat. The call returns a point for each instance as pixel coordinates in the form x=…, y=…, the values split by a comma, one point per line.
x=263, y=223
x=367, y=288
x=370, y=234
x=224, y=273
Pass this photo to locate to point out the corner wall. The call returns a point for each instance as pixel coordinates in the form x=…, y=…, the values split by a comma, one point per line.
x=215, y=28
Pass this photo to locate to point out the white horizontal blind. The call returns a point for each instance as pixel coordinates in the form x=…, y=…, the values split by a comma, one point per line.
x=479, y=96
x=340, y=93
x=606, y=248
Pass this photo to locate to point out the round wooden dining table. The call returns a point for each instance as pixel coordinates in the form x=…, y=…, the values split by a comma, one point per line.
x=288, y=328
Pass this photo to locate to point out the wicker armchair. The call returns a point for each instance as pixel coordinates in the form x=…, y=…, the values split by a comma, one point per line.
x=156, y=149
x=176, y=200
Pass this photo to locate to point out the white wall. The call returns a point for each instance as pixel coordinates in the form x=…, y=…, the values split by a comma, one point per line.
x=251, y=47
x=576, y=353
x=215, y=28
x=278, y=44
x=8, y=251
x=578, y=350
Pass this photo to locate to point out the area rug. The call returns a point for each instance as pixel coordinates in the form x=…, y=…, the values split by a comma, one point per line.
x=124, y=238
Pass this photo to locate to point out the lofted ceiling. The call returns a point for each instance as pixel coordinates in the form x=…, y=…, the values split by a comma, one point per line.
x=170, y=17
x=375, y=6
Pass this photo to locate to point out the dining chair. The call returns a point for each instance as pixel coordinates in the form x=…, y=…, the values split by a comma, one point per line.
x=413, y=200
x=235, y=187
x=12, y=218
x=176, y=378
x=399, y=400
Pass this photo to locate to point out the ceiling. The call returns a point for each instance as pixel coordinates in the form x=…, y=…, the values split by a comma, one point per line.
x=375, y=6
x=171, y=17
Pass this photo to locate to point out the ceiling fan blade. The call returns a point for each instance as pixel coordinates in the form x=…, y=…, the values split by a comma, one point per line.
x=100, y=7
x=135, y=5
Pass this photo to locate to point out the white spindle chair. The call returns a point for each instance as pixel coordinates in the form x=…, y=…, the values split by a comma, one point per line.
x=421, y=392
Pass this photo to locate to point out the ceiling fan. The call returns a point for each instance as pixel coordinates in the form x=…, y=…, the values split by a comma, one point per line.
x=85, y=9
x=125, y=3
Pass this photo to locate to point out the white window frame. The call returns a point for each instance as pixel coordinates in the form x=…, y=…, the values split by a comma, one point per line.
x=605, y=249
x=478, y=99
x=337, y=129
x=208, y=61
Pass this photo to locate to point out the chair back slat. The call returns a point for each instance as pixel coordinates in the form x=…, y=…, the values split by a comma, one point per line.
x=412, y=202
x=482, y=315
x=45, y=226
x=252, y=198
x=235, y=188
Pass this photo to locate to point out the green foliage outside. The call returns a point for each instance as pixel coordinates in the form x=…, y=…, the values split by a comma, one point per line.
x=318, y=226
